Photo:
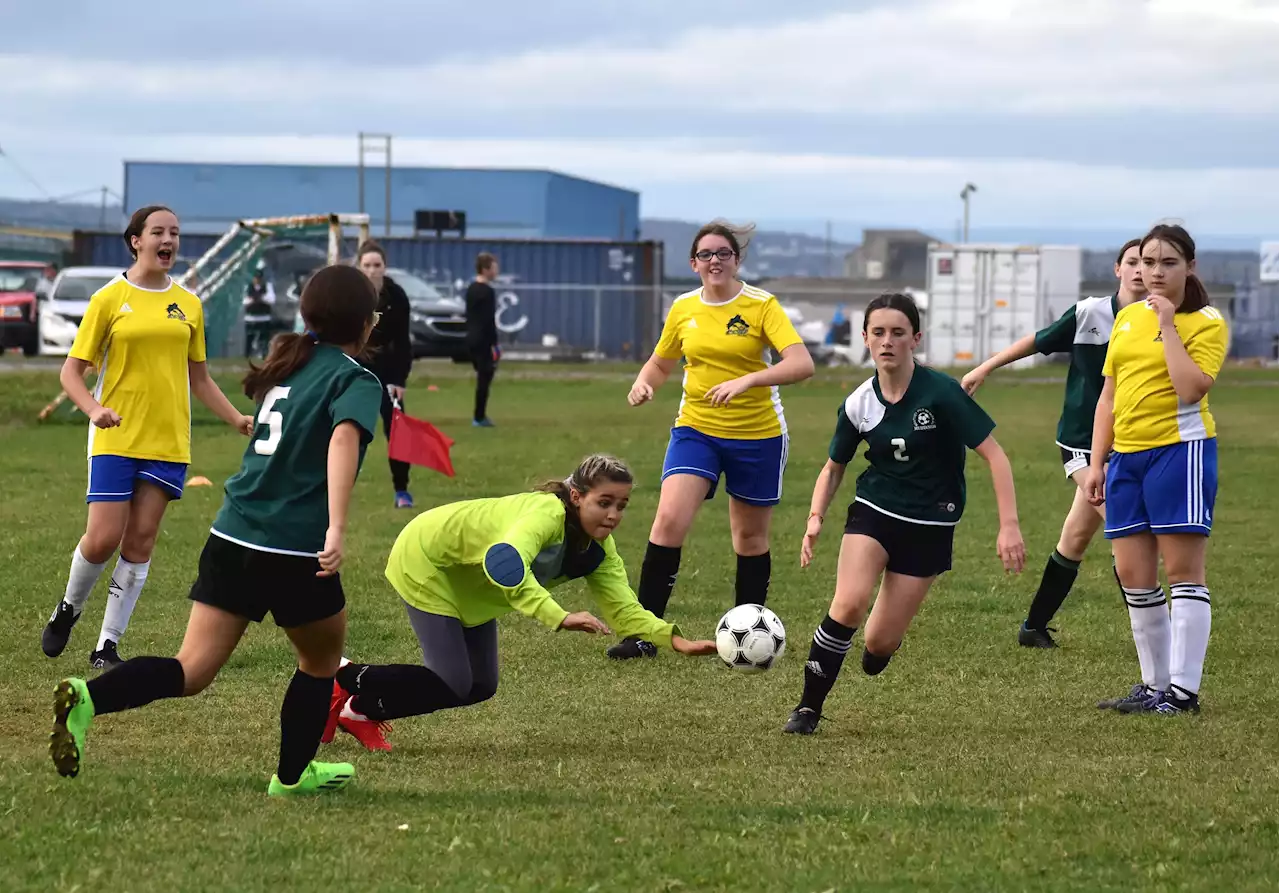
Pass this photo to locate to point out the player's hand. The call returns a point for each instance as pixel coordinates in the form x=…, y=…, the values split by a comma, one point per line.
x=102, y=417
x=721, y=394
x=1009, y=546
x=1163, y=307
x=693, y=648
x=640, y=393
x=584, y=622
x=245, y=425
x=811, y=533
x=1094, y=485
x=395, y=391
x=331, y=557
x=973, y=380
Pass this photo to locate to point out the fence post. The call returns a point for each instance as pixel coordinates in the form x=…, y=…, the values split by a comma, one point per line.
x=595, y=345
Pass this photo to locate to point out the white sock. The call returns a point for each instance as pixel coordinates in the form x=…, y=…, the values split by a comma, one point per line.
x=81, y=580
x=126, y=586
x=1149, y=617
x=1190, y=610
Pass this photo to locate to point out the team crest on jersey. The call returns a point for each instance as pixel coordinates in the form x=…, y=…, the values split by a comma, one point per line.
x=737, y=326
x=175, y=312
x=1160, y=337
x=923, y=420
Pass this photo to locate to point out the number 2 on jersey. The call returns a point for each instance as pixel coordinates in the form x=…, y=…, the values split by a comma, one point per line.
x=899, y=448
x=274, y=421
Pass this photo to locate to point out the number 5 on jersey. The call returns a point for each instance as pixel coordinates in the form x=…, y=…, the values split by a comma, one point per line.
x=274, y=421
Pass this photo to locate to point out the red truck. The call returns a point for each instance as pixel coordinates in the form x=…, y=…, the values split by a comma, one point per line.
x=19, y=310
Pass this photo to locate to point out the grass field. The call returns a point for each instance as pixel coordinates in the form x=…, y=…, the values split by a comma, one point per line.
x=970, y=764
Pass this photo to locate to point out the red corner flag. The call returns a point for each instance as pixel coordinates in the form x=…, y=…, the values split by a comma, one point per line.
x=419, y=443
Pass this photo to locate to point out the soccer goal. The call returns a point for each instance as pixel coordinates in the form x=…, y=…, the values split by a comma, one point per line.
x=221, y=275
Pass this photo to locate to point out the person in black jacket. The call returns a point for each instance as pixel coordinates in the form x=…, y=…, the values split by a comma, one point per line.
x=482, y=333
x=390, y=354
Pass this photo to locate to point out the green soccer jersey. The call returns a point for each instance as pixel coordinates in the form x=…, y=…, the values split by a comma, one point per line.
x=916, y=446
x=1083, y=331
x=279, y=499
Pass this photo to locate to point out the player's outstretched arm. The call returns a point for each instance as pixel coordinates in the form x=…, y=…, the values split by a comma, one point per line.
x=624, y=613
x=207, y=392
x=824, y=490
x=652, y=375
x=1104, y=420
x=1009, y=545
x=1019, y=350
x=343, y=462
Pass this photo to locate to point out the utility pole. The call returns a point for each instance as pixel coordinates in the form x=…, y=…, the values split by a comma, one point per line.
x=968, y=190
x=373, y=143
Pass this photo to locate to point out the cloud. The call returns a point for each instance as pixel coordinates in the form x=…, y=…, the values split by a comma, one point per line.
x=1017, y=57
x=692, y=178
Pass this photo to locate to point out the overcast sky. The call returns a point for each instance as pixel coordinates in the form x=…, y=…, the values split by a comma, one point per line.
x=1088, y=113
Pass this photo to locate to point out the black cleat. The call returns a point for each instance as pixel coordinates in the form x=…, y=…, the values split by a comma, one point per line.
x=58, y=630
x=631, y=647
x=105, y=657
x=1136, y=695
x=1036, y=638
x=803, y=721
x=1169, y=704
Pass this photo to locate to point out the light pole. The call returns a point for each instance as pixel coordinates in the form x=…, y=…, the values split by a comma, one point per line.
x=968, y=190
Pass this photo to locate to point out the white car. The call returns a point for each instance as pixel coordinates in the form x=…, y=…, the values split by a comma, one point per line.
x=62, y=310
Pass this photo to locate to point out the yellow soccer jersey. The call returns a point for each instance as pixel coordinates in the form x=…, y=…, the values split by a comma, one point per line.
x=720, y=342
x=140, y=341
x=1148, y=413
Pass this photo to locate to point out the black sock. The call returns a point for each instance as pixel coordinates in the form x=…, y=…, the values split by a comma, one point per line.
x=658, y=577
x=136, y=682
x=302, y=718
x=752, y=584
x=396, y=690
x=1055, y=583
x=874, y=664
x=831, y=642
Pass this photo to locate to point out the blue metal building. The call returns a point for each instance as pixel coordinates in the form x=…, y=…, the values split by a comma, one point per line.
x=499, y=204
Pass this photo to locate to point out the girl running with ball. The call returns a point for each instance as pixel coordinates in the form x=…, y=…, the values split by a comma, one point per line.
x=917, y=425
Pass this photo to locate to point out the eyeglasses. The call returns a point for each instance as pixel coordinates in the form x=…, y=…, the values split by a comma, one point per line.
x=722, y=253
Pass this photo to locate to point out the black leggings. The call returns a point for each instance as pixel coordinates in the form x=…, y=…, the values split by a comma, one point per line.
x=482, y=361
x=460, y=668
x=399, y=470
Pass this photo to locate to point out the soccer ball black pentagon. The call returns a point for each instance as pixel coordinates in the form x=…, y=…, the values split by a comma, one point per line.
x=750, y=638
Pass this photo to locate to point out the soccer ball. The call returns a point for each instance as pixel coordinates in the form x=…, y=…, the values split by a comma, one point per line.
x=750, y=638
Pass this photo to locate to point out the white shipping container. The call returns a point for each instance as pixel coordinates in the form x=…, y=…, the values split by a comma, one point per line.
x=984, y=297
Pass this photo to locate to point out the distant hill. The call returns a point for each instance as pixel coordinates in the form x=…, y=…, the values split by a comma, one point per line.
x=59, y=215
x=771, y=253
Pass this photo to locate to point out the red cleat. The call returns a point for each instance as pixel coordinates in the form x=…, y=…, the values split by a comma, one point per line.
x=337, y=701
x=370, y=733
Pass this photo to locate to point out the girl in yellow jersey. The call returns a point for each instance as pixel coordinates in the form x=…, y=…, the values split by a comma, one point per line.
x=1160, y=484
x=730, y=421
x=145, y=335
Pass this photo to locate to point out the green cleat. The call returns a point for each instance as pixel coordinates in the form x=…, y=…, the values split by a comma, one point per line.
x=72, y=714
x=316, y=778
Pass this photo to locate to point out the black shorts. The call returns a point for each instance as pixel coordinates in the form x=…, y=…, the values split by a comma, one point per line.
x=249, y=583
x=915, y=550
x=1074, y=460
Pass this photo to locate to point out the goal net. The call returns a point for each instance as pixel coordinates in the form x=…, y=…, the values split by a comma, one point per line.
x=222, y=274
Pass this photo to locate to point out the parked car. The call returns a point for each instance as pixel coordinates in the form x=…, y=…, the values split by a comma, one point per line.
x=68, y=301
x=437, y=322
x=19, y=305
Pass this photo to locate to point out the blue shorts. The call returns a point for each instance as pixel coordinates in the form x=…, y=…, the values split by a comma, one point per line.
x=113, y=478
x=752, y=469
x=1170, y=489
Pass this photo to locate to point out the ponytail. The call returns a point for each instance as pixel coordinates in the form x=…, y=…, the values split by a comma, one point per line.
x=289, y=352
x=1194, y=296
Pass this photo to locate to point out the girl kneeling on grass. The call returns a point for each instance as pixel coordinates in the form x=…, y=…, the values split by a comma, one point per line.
x=461, y=566
x=277, y=543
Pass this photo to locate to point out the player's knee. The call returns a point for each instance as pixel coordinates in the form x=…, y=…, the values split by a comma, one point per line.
x=670, y=527
x=197, y=674
x=482, y=690
x=881, y=644
x=138, y=544
x=751, y=543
